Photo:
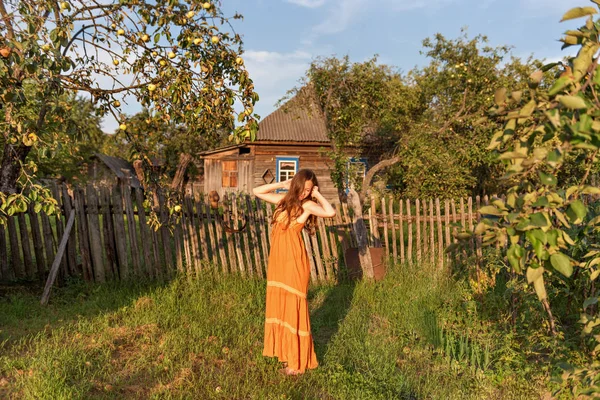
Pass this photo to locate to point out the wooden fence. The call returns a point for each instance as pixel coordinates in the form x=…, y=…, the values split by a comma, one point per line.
x=112, y=240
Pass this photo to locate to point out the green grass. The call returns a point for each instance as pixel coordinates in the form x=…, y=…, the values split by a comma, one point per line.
x=202, y=339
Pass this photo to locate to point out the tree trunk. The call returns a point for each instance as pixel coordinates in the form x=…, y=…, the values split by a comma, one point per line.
x=364, y=255
x=10, y=169
x=178, y=181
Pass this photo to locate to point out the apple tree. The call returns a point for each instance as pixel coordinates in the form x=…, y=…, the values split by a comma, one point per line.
x=180, y=60
x=549, y=231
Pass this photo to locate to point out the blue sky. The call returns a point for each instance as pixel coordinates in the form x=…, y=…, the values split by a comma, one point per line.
x=281, y=37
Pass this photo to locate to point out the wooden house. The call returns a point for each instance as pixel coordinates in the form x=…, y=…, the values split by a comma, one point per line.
x=104, y=170
x=288, y=140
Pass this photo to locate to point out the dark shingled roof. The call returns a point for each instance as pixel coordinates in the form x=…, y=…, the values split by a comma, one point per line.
x=117, y=165
x=292, y=122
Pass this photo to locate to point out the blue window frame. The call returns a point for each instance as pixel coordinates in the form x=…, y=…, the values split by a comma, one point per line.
x=286, y=167
x=358, y=167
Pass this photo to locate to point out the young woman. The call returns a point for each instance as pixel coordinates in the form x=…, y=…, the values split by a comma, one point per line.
x=287, y=325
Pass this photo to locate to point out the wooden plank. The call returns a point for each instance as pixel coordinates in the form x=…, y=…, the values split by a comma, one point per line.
x=262, y=229
x=463, y=223
x=440, y=233
x=431, y=233
x=375, y=223
x=199, y=250
x=447, y=226
x=58, y=222
x=470, y=222
x=333, y=244
x=195, y=253
x=15, y=248
x=454, y=229
x=342, y=231
x=393, y=229
x=318, y=257
x=213, y=242
x=348, y=222
x=131, y=229
x=424, y=231
x=178, y=240
x=418, y=226
x=222, y=241
x=38, y=242
x=48, y=239
x=401, y=227
x=386, y=233
x=95, y=237
x=269, y=220
x=478, y=238
x=238, y=237
x=59, y=256
x=253, y=238
x=6, y=274
x=409, y=251
x=82, y=231
x=29, y=268
x=187, y=245
x=326, y=252
x=120, y=235
x=309, y=254
x=149, y=267
x=233, y=262
x=157, y=244
x=205, y=241
x=203, y=236
x=168, y=268
x=107, y=233
x=72, y=242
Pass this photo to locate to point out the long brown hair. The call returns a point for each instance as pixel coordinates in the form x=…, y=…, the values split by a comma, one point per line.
x=291, y=203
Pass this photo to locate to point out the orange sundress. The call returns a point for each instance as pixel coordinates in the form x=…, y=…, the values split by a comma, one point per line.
x=287, y=324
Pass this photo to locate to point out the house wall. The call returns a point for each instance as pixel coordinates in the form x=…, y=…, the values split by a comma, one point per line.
x=309, y=156
x=213, y=174
x=262, y=157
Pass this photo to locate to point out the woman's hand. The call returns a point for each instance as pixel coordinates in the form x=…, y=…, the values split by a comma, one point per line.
x=315, y=191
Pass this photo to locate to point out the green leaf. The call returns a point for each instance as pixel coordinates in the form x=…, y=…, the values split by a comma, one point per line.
x=534, y=273
x=578, y=12
x=547, y=179
x=538, y=235
x=540, y=219
x=490, y=210
x=567, y=238
x=514, y=255
x=536, y=276
x=572, y=102
x=576, y=212
x=552, y=236
x=559, y=85
x=589, y=301
x=37, y=207
x=562, y=264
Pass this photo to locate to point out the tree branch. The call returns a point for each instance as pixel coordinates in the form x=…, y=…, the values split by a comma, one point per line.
x=458, y=114
x=7, y=21
x=371, y=173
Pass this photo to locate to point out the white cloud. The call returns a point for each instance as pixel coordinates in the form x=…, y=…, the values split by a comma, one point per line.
x=342, y=13
x=308, y=3
x=274, y=74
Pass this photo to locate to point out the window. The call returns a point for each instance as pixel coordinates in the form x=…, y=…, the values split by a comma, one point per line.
x=357, y=169
x=229, y=177
x=286, y=168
